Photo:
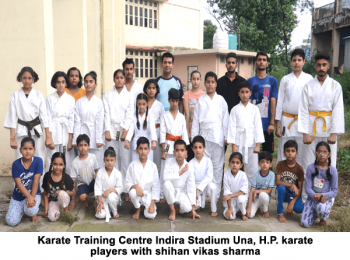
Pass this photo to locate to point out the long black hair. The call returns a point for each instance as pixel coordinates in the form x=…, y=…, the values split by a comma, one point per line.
x=151, y=81
x=329, y=176
x=54, y=156
x=141, y=96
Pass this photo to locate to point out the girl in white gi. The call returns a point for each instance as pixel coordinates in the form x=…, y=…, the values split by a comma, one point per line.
x=108, y=187
x=210, y=120
x=27, y=115
x=60, y=114
x=172, y=128
x=203, y=174
x=235, y=188
x=245, y=131
x=89, y=117
x=142, y=181
x=288, y=100
x=156, y=112
x=179, y=183
x=142, y=126
x=119, y=111
x=321, y=113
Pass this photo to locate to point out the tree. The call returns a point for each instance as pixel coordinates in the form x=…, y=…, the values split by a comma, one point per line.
x=208, y=34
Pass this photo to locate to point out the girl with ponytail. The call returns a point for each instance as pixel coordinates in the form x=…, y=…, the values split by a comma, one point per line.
x=321, y=184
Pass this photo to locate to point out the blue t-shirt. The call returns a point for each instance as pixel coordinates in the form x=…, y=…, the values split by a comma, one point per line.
x=262, y=92
x=26, y=176
x=164, y=86
x=261, y=182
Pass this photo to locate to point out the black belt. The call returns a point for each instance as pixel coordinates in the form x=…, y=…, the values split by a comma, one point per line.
x=30, y=125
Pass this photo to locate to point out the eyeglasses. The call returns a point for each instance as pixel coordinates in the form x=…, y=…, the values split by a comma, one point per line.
x=322, y=153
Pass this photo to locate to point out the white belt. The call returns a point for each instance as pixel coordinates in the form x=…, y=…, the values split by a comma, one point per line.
x=243, y=134
x=89, y=126
x=64, y=121
x=210, y=125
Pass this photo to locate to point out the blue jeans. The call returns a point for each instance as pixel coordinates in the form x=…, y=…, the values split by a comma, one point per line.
x=284, y=196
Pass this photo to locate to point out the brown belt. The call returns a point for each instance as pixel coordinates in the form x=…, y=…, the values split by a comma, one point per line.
x=30, y=125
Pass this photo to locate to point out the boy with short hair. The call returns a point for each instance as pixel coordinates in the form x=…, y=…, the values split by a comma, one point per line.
x=142, y=181
x=179, y=182
x=245, y=131
x=262, y=184
x=289, y=181
x=84, y=169
x=203, y=174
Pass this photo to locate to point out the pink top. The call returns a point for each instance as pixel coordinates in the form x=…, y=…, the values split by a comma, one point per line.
x=192, y=101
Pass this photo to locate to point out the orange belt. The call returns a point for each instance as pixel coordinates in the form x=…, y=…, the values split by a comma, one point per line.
x=174, y=138
x=319, y=114
x=157, y=126
x=292, y=116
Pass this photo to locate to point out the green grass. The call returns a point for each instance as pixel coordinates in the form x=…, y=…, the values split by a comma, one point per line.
x=68, y=217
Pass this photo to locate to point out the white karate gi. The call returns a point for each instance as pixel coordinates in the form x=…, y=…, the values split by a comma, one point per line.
x=288, y=100
x=210, y=120
x=157, y=112
x=134, y=134
x=179, y=189
x=88, y=119
x=314, y=97
x=135, y=90
x=60, y=114
x=233, y=185
x=148, y=180
x=203, y=174
x=245, y=131
x=104, y=182
x=119, y=111
x=175, y=127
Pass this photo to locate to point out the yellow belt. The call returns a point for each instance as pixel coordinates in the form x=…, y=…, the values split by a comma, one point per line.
x=319, y=114
x=292, y=116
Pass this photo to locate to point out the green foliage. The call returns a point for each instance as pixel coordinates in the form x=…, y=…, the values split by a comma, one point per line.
x=342, y=221
x=68, y=217
x=279, y=72
x=343, y=161
x=344, y=81
x=208, y=34
x=347, y=117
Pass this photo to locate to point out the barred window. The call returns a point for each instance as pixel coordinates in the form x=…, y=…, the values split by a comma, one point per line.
x=141, y=13
x=145, y=63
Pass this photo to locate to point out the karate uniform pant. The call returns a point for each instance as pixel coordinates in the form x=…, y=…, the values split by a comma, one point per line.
x=70, y=155
x=313, y=208
x=210, y=190
x=99, y=153
x=238, y=204
x=157, y=153
x=217, y=155
x=17, y=208
x=252, y=166
x=135, y=155
x=263, y=200
x=138, y=202
x=182, y=200
x=112, y=201
x=63, y=200
x=282, y=140
x=123, y=158
x=161, y=177
x=309, y=156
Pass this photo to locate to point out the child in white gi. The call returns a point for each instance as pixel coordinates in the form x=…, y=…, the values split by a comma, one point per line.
x=172, y=128
x=119, y=111
x=142, y=181
x=60, y=114
x=245, y=131
x=108, y=187
x=203, y=174
x=179, y=183
x=210, y=120
x=235, y=188
x=321, y=113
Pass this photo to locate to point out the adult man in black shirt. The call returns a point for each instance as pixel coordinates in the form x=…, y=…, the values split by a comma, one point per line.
x=228, y=84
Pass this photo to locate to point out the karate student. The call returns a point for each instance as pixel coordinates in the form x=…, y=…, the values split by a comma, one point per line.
x=245, y=131
x=210, y=120
x=119, y=112
x=156, y=112
x=108, y=187
x=142, y=125
x=288, y=100
x=179, y=183
x=172, y=128
x=235, y=188
x=89, y=116
x=203, y=174
x=75, y=81
x=142, y=181
x=321, y=113
x=60, y=114
x=27, y=107
x=131, y=85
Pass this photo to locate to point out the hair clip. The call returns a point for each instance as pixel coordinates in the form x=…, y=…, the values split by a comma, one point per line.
x=329, y=167
x=315, y=166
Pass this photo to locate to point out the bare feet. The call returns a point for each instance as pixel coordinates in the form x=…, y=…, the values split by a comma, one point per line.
x=322, y=223
x=162, y=201
x=84, y=204
x=116, y=216
x=207, y=200
x=65, y=209
x=172, y=215
x=137, y=213
x=177, y=209
x=281, y=219
x=127, y=198
x=72, y=205
x=266, y=214
x=214, y=214
x=35, y=219
x=244, y=217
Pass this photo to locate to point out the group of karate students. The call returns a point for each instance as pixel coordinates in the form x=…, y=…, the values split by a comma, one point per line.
x=307, y=112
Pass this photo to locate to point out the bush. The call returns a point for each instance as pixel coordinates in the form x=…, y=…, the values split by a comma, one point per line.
x=344, y=81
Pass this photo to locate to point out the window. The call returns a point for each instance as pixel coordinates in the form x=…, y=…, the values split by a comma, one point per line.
x=145, y=63
x=141, y=13
x=242, y=60
x=250, y=61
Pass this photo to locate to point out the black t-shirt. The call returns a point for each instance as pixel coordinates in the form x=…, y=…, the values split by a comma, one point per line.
x=51, y=186
x=229, y=90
